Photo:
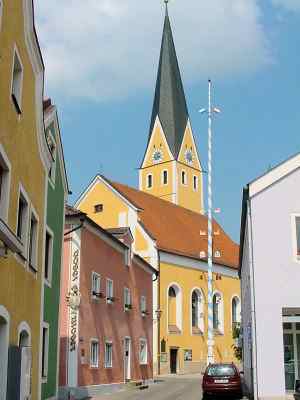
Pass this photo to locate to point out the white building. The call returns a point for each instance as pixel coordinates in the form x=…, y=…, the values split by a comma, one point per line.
x=270, y=275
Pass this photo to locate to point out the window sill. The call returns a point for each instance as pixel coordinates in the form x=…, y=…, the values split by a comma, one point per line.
x=144, y=363
x=44, y=379
x=94, y=367
x=47, y=283
x=33, y=268
x=108, y=367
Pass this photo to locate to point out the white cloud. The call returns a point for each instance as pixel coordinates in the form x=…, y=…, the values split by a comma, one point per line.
x=290, y=5
x=104, y=49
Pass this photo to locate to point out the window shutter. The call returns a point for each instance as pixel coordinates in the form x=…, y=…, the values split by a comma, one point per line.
x=14, y=373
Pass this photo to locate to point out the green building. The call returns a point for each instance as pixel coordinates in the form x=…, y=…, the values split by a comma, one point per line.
x=57, y=197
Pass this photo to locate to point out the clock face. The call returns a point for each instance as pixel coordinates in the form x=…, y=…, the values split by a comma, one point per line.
x=189, y=157
x=157, y=156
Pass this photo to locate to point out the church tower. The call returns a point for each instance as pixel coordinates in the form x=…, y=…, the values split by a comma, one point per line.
x=171, y=167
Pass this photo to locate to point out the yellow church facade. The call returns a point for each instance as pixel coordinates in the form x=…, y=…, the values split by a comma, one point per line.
x=168, y=223
x=24, y=164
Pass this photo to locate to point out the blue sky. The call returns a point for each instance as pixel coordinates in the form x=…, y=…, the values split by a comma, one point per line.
x=101, y=61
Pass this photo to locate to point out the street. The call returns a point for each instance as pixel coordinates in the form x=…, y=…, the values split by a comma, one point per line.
x=187, y=387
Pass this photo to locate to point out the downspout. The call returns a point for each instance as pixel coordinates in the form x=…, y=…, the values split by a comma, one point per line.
x=253, y=308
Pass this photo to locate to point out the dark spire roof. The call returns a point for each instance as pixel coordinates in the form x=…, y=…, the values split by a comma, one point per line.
x=169, y=102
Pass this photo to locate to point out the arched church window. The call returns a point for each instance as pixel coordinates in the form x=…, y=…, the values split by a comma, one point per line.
x=235, y=312
x=195, y=182
x=174, y=309
x=218, y=312
x=197, y=312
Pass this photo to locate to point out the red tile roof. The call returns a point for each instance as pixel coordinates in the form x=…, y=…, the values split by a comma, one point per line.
x=177, y=229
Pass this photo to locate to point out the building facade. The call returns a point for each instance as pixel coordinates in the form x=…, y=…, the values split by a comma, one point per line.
x=174, y=240
x=166, y=218
x=24, y=164
x=269, y=269
x=106, y=325
x=57, y=196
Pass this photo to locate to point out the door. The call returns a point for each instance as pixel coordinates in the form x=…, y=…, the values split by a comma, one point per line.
x=127, y=348
x=173, y=360
x=289, y=361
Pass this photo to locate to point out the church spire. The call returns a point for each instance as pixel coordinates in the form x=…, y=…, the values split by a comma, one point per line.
x=169, y=101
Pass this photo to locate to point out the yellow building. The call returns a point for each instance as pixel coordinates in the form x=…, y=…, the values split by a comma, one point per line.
x=24, y=164
x=166, y=218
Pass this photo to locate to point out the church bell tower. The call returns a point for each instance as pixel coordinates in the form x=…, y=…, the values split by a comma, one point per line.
x=171, y=167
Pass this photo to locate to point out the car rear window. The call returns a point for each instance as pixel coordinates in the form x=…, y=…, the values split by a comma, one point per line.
x=221, y=370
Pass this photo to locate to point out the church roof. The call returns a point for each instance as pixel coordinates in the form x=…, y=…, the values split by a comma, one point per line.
x=178, y=230
x=169, y=101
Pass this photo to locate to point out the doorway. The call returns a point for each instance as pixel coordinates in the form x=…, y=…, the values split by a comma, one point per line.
x=4, y=339
x=173, y=360
x=127, y=356
x=291, y=347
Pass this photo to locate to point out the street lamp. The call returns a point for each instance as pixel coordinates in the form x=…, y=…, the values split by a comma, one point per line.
x=210, y=340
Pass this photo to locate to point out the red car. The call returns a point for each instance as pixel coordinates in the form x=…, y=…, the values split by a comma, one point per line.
x=223, y=379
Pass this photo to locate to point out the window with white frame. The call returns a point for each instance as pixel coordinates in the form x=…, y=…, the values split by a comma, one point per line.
x=143, y=352
x=195, y=182
x=197, y=312
x=94, y=353
x=96, y=285
x=218, y=313
x=127, y=299
x=164, y=177
x=235, y=312
x=149, y=181
x=5, y=168
x=143, y=304
x=108, y=354
x=297, y=222
x=109, y=291
x=17, y=82
x=33, y=242
x=45, y=350
x=22, y=221
x=48, y=255
x=183, y=178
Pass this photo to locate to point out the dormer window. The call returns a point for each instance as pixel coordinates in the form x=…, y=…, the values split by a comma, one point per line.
x=17, y=82
x=217, y=254
x=98, y=208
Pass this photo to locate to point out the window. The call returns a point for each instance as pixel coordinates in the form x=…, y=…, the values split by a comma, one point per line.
x=197, y=312
x=48, y=255
x=22, y=221
x=183, y=178
x=108, y=354
x=143, y=304
x=202, y=254
x=96, y=285
x=52, y=148
x=94, y=353
x=195, y=182
x=109, y=291
x=45, y=350
x=235, y=312
x=174, y=309
x=17, y=82
x=143, y=352
x=98, y=208
x=218, y=313
x=128, y=256
x=5, y=168
x=297, y=220
x=127, y=299
x=149, y=181
x=32, y=251
x=165, y=177
x=217, y=254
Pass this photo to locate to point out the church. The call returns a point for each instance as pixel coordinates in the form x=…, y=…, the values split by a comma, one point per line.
x=167, y=220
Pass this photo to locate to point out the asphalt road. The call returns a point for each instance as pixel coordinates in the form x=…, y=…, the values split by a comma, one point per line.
x=187, y=387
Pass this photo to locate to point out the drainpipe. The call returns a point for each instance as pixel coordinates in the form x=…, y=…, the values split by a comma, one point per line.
x=253, y=312
x=158, y=316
